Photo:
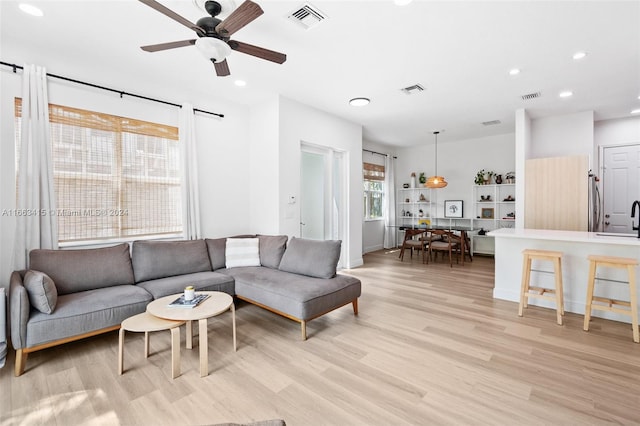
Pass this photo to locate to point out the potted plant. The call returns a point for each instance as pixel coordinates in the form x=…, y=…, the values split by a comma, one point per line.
x=487, y=176
x=422, y=178
x=479, y=179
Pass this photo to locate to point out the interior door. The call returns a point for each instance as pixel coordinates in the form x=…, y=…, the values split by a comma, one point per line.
x=323, y=207
x=621, y=173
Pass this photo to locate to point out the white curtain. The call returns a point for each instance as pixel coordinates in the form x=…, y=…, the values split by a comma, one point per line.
x=390, y=233
x=190, y=198
x=36, y=224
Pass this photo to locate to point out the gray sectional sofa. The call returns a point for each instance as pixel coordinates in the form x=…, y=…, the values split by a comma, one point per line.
x=68, y=295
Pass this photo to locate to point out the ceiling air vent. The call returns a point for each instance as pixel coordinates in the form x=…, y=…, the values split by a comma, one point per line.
x=531, y=96
x=491, y=123
x=308, y=16
x=410, y=90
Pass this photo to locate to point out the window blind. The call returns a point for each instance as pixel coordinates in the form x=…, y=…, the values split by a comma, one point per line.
x=114, y=177
x=372, y=171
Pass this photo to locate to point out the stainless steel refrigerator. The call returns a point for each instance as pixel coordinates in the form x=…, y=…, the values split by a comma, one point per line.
x=595, y=203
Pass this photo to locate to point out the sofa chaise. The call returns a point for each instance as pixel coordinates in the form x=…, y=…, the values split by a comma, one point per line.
x=67, y=295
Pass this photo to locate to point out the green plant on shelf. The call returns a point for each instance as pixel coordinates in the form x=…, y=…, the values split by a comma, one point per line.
x=483, y=177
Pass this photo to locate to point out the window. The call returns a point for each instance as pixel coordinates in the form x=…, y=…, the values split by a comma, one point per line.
x=373, y=178
x=114, y=177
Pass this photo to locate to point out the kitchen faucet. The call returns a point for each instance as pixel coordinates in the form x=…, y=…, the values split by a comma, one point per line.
x=635, y=204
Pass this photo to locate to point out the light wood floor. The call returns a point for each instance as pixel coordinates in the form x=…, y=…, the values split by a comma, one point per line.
x=430, y=346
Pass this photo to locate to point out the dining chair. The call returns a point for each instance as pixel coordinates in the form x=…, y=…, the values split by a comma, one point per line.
x=464, y=245
x=441, y=240
x=414, y=239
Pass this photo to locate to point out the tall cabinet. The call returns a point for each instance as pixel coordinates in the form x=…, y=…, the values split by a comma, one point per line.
x=494, y=207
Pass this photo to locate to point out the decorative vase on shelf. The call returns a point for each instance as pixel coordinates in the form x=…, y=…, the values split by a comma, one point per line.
x=413, y=180
x=498, y=179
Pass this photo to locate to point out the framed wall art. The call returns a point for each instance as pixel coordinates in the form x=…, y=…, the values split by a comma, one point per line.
x=487, y=213
x=453, y=208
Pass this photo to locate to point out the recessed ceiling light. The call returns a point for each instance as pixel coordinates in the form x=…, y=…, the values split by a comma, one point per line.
x=30, y=9
x=240, y=83
x=579, y=55
x=635, y=111
x=402, y=2
x=359, y=101
x=566, y=94
x=514, y=71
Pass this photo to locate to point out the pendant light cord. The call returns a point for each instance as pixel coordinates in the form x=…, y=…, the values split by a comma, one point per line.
x=436, y=134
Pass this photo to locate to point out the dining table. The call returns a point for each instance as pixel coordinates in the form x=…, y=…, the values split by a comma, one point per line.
x=463, y=233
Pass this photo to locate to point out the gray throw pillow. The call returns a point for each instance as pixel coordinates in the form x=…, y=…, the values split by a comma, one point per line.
x=314, y=258
x=271, y=249
x=42, y=291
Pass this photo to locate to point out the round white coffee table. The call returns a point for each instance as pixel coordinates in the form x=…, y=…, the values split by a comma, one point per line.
x=217, y=303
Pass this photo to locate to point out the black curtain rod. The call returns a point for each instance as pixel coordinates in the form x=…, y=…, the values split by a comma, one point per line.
x=379, y=153
x=120, y=92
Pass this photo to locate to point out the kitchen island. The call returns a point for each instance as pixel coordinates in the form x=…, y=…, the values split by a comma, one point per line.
x=576, y=246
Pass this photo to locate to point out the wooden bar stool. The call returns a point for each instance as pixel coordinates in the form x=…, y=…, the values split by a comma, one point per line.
x=526, y=288
x=611, y=305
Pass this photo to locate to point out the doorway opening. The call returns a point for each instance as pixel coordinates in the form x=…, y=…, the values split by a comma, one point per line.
x=323, y=203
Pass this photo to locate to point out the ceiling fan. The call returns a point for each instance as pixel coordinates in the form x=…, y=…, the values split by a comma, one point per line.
x=214, y=34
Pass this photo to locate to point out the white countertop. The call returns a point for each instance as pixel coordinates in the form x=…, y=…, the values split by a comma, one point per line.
x=572, y=236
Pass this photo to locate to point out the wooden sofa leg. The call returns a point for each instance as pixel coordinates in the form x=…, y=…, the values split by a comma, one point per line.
x=303, y=328
x=355, y=306
x=21, y=360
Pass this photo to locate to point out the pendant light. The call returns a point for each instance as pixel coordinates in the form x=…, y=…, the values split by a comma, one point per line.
x=436, y=181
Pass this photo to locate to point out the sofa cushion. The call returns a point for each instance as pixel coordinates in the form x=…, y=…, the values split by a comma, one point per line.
x=300, y=296
x=42, y=291
x=86, y=311
x=216, y=248
x=84, y=269
x=272, y=248
x=242, y=252
x=315, y=258
x=201, y=281
x=159, y=259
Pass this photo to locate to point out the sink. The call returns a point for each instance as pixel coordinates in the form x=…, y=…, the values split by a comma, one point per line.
x=614, y=234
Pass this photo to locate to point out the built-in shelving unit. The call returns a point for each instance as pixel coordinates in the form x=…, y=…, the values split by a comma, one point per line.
x=494, y=207
x=413, y=208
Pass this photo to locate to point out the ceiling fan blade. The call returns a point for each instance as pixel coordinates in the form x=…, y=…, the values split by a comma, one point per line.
x=222, y=68
x=165, y=46
x=245, y=13
x=260, y=52
x=171, y=14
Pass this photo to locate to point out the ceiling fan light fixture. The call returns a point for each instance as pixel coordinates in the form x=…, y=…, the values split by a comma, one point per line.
x=213, y=48
x=226, y=6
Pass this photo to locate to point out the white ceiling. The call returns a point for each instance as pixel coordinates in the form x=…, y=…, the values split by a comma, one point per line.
x=460, y=51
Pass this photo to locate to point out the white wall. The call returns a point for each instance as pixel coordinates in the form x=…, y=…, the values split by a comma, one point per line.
x=301, y=123
x=523, y=151
x=263, y=168
x=458, y=162
x=562, y=135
